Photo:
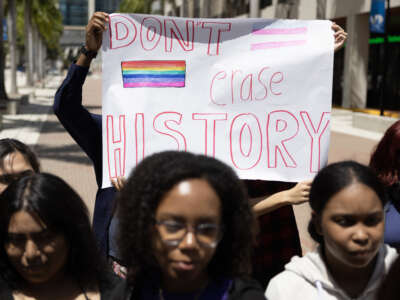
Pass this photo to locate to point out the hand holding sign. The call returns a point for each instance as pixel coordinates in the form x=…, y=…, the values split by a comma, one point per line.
x=94, y=30
x=340, y=36
x=94, y=36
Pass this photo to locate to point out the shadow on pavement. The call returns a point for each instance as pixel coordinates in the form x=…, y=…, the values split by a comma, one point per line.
x=67, y=153
x=33, y=109
x=48, y=127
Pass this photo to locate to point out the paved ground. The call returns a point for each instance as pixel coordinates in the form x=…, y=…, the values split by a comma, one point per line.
x=37, y=126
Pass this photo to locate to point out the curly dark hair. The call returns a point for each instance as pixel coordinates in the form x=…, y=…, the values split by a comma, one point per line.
x=8, y=146
x=146, y=186
x=334, y=178
x=63, y=211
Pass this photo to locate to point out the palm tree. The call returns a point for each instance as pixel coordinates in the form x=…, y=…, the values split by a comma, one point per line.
x=3, y=94
x=45, y=15
x=28, y=42
x=39, y=17
x=12, y=42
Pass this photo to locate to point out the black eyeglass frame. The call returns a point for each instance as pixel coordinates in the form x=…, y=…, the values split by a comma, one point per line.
x=192, y=229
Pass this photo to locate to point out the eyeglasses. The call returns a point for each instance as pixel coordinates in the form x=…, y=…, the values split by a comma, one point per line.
x=172, y=233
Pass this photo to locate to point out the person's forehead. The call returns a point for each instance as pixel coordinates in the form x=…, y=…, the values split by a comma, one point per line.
x=15, y=162
x=25, y=222
x=191, y=197
x=355, y=198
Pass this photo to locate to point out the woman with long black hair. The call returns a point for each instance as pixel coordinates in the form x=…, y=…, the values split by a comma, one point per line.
x=48, y=250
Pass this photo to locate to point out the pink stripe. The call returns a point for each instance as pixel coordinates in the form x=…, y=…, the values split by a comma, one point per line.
x=298, y=30
x=154, y=84
x=270, y=45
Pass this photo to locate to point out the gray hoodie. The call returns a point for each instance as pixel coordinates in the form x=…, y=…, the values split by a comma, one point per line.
x=308, y=278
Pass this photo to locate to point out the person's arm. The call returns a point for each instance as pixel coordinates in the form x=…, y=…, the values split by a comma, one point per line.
x=296, y=195
x=84, y=127
x=94, y=37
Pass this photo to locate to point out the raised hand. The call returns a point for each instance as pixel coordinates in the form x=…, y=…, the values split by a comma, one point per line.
x=340, y=36
x=299, y=193
x=118, y=183
x=94, y=30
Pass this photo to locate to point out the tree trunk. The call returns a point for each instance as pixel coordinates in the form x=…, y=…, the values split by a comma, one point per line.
x=12, y=41
x=28, y=43
x=40, y=70
x=35, y=54
x=3, y=94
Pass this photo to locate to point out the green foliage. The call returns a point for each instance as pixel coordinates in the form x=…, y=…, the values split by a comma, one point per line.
x=47, y=19
x=20, y=26
x=135, y=6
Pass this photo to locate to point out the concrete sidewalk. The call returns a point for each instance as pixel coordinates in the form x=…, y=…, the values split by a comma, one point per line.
x=37, y=126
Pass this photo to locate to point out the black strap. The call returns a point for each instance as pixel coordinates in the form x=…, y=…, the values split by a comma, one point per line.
x=83, y=291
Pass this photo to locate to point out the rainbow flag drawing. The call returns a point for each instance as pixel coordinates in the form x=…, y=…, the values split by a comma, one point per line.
x=153, y=73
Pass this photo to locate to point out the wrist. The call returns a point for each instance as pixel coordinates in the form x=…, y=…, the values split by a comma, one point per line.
x=85, y=57
x=285, y=197
x=91, y=54
x=83, y=61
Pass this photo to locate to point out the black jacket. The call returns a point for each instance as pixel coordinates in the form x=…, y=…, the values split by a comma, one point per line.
x=241, y=289
x=106, y=287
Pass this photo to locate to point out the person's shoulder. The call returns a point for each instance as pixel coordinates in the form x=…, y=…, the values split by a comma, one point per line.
x=5, y=291
x=119, y=291
x=297, y=277
x=389, y=254
x=245, y=288
x=286, y=285
x=109, y=285
x=282, y=279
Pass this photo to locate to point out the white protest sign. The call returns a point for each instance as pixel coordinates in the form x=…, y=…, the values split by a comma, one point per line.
x=254, y=93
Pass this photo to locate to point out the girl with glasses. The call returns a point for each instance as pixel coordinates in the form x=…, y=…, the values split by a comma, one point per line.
x=186, y=230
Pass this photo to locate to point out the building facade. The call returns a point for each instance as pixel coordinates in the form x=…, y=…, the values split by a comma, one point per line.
x=108, y=6
x=76, y=14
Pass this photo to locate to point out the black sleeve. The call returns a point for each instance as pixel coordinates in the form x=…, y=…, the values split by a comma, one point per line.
x=120, y=292
x=85, y=128
x=5, y=291
x=246, y=289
